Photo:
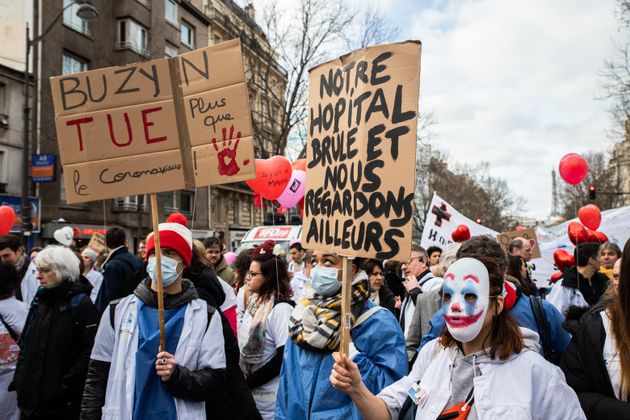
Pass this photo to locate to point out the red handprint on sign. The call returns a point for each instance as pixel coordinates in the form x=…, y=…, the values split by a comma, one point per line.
x=227, y=156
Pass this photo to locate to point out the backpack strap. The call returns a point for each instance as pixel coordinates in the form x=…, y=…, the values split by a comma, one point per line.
x=11, y=331
x=211, y=312
x=365, y=315
x=112, y=312
x=543, y=328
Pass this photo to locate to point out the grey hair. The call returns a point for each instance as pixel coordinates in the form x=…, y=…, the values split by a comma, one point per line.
x=61, y=260
x=449, y=255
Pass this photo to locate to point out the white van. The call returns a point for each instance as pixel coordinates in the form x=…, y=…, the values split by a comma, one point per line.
x=284, y=235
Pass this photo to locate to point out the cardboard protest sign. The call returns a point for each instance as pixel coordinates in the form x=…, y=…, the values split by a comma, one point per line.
x=97, y=242
x=362, y=119
x=135, y=129
x=442, y=219
x=504, y=239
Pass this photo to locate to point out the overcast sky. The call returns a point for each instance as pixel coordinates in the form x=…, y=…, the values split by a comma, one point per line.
x=512, y=82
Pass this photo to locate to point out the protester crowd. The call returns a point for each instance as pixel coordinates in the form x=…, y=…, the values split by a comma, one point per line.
x=454, y=333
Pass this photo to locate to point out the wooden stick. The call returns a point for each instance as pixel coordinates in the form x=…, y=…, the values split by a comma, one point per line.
x=346, y=299
x=158, y=266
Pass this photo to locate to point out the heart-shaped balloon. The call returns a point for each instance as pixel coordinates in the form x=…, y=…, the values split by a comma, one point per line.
x=64, y=235
x=556, y=276
x=461, y=233
x=563, y=259
x=601, y=237
x=590, y=216
x=272, y=177
x=577, y=233
x=294, y=190
x=7, y=218
x=299, y=164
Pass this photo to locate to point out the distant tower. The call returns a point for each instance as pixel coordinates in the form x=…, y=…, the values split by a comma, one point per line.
x=554, y=194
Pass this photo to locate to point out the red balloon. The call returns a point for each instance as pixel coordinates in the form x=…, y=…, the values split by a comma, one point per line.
x=272, y=177
x=299, y=164
x=555, y=277
x=7, y=218
x=577, y=233
x=563, y=259
x=590, y=216
x=601, y=237
x=461, y=234
x=573, y=168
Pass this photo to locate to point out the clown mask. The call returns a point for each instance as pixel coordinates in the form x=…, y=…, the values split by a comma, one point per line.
x=465, y=298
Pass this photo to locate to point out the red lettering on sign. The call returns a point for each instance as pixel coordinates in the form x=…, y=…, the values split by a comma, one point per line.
x=78, y=123
x=273, y=233
x=113, y=136
x=148, y=124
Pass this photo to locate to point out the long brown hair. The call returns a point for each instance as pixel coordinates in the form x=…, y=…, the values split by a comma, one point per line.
x=505, y=336
x=619, y=311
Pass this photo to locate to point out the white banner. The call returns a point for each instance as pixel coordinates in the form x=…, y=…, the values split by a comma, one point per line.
x=442, y=219
x=615, y=224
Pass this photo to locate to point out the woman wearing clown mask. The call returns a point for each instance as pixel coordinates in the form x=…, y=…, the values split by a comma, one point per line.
x=479, y=368
x=377, y=349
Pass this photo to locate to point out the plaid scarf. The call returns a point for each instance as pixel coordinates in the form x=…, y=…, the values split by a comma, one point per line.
x=315, y=322
x=252, y=342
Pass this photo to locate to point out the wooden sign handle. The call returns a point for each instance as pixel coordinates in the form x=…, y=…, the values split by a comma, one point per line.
x=346, y=299
x=158, y=266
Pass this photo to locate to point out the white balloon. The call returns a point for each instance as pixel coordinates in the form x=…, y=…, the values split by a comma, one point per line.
x=64, y=235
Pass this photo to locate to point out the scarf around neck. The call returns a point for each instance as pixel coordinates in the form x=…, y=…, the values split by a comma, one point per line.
x=252, y=342
x=315, y=322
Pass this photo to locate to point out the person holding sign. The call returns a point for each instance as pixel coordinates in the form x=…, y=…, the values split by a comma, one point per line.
x=377, y=349
x=479, y=368
x=129, y=375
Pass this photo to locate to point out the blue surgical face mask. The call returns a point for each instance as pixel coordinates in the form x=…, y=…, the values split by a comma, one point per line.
x=324, y=280
x=169, y=270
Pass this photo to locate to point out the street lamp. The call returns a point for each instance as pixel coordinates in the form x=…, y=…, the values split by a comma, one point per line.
x=85, y=11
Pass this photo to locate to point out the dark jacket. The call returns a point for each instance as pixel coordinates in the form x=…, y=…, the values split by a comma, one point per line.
x=118, y=268
x=55, y=350
x=208, y=286
x=387, y=300
x=592, y=294
x=184, y=383
x=585, y=371
x=235, y=401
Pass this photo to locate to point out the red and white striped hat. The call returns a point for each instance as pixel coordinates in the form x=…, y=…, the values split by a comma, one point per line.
x=173, y=236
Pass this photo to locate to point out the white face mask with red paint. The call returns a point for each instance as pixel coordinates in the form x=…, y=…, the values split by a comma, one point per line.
x=465, y=298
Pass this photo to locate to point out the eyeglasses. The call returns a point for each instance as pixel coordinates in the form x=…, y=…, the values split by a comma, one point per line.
x=44, y=270
x=252, y=274
x=411, y=260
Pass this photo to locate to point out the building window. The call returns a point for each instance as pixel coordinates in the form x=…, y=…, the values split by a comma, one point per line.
x=170, y=11
x=3, y=169
x=72, y=64
x=187, y=34
x=186, y=202
x=237, y=212
x=4, y=111
x=170, y=202
x=129, y=203
x=71, y=20
x=133, y=36
x=170, y=50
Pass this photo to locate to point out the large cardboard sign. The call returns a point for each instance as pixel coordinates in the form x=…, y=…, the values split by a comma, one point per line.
x=504, y=239
x=362, y=121
x=155, y=126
